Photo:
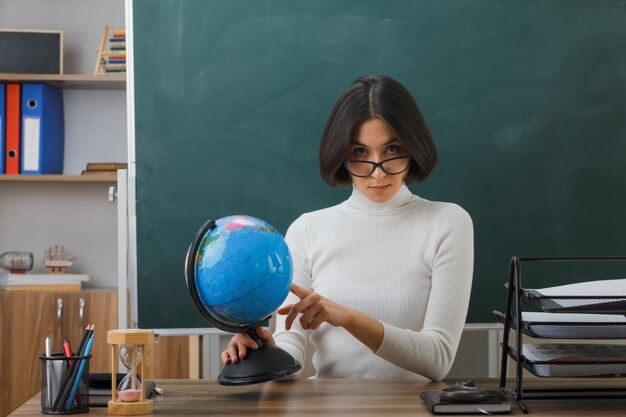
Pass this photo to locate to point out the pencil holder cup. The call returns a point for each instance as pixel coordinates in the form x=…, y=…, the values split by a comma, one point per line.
x=64, y=384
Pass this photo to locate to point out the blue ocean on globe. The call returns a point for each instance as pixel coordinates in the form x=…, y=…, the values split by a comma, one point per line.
x=243, y=270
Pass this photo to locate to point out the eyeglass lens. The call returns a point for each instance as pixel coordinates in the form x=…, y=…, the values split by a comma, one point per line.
x=390, y=166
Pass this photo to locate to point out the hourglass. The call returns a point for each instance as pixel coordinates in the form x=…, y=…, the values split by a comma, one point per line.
x=129, y=388
x=129, y=397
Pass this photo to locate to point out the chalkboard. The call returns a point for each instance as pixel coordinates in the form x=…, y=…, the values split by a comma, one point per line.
x=31, y=52
x=525, y=100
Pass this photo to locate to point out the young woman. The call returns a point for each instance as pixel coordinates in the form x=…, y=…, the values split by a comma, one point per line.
x=381, y=281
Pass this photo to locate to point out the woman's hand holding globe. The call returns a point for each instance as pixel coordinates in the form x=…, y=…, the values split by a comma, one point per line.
x=241, y=342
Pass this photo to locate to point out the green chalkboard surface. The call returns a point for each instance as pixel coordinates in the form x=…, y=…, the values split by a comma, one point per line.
x=526, y=101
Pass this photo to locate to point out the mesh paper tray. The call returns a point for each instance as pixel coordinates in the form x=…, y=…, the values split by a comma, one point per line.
x=613, y=304
x=573, y=369
x=556, y=329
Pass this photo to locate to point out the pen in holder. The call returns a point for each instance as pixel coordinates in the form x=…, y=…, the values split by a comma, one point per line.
x=64, y=384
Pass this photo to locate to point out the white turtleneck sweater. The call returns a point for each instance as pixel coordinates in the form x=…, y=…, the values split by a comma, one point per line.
x=406, y=262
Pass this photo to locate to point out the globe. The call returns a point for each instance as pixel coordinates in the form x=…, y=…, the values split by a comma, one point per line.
x=238, y=272
x=242, y=272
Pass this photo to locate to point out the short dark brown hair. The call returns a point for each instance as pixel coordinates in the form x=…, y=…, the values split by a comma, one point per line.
x=378, y=97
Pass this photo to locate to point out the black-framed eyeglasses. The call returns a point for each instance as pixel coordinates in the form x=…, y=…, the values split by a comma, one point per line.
x=393, y=166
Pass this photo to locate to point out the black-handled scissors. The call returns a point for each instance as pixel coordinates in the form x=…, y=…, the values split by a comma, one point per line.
x=463, y=392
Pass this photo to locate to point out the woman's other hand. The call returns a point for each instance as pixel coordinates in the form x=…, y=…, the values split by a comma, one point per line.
x=240, y=343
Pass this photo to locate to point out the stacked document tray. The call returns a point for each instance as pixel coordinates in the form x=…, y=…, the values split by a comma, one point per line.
x=596, y=297
x=571, y=325
x=582, y=311
x=574, y=360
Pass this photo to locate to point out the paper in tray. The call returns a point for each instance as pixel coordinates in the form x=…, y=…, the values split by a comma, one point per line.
x=575, y=360
x=601, y=296
x=575, y=326
x=577, y=371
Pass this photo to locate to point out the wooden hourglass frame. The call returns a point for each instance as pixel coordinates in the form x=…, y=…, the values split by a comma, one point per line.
x=138, y=338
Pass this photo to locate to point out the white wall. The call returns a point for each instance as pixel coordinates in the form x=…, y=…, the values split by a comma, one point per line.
x=78, y=216
x=81, y=21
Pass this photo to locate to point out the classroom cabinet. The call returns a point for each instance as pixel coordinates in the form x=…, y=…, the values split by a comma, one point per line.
x=169, y=358
x=101, y=312
x=27, y=318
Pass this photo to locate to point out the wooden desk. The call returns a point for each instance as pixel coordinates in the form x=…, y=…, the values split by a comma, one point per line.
x=327, y=398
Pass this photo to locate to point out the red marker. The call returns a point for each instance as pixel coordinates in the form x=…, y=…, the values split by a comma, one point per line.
x=67, y=348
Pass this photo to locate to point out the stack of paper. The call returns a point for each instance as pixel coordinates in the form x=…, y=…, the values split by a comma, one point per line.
x=602, y=295
x=571, y=352
x=576, y=360
x=576, y=325
x=42, y=282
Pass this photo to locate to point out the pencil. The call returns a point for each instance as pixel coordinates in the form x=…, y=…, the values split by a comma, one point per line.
x=83, y=363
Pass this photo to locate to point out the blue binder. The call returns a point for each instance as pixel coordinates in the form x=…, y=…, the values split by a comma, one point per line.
x=2, y=123
x=42, y=130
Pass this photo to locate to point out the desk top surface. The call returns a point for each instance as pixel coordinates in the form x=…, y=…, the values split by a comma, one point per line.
x=345, y=397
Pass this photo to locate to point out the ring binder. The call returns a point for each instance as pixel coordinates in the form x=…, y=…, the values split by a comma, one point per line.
x=42, y=130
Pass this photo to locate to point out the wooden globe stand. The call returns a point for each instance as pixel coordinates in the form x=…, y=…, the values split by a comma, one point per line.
x=139, y=338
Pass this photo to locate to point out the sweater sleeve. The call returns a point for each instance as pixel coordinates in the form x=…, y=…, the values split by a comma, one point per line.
x=294, y=341
x=430, y=352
